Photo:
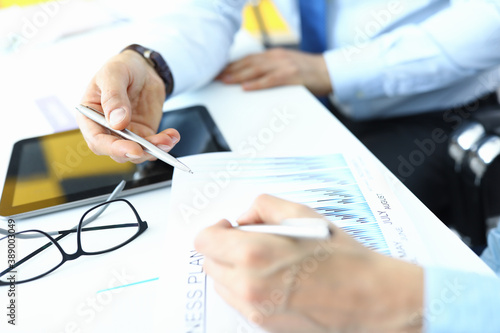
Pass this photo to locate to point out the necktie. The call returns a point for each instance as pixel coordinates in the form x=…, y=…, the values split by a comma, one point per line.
x=313, y=25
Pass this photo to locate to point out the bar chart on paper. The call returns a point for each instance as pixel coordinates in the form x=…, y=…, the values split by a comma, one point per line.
x=346, y=191
x=328, y=185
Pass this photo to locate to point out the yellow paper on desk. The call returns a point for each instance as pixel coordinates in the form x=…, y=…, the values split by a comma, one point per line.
x=8, y=3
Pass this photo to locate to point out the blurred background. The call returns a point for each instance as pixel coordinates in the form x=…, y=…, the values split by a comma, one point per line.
x=27, y=24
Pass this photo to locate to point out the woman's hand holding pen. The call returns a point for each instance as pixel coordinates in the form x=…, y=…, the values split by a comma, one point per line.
x=131, y=95
x=289, y=285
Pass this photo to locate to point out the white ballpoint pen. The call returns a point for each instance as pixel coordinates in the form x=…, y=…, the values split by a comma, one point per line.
x=148, y=147
x=305, y=228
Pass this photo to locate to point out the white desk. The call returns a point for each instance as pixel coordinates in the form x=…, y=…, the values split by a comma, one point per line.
x=66, y=301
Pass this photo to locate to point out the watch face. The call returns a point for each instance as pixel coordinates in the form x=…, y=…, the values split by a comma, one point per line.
x=147, y=55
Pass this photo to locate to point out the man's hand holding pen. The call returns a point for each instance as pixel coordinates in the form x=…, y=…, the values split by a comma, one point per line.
x=288, y=284
x=131, y=94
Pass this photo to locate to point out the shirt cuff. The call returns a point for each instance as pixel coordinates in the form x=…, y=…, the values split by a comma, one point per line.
x=491, y=255
x=457, y=301
x=355, y=72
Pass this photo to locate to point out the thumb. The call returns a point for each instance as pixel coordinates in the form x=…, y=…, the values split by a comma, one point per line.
x=115, y=100
x=272, y=210
x=210, y=237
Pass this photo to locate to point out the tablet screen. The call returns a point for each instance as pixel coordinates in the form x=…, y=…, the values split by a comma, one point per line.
x=58, y=171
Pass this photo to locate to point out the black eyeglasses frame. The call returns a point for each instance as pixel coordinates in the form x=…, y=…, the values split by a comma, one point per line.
x=143, y=225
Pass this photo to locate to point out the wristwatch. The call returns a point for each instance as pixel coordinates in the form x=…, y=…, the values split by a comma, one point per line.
x=159, y=64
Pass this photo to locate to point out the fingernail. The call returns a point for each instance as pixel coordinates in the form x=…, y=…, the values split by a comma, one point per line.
x=116, y=116
x=174, y=139
x=132, y=156
x=244, y=216
x=164, y=147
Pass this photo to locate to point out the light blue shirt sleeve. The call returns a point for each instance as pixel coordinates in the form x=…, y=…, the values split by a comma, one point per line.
x=457, y=302
x=491, y=255
x=448, y=47
x=466, y=302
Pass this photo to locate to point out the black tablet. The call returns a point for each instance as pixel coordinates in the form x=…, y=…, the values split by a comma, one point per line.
x=58, y=171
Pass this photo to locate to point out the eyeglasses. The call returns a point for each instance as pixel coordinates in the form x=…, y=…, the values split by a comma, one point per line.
x=31, y=254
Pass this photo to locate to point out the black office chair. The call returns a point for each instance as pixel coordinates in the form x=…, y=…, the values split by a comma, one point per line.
x=475, y=150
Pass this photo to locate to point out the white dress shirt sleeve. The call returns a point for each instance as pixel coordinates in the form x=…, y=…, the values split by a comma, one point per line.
x=194, y=39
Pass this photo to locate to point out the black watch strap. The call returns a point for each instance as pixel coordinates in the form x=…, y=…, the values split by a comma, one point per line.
x=159, y=64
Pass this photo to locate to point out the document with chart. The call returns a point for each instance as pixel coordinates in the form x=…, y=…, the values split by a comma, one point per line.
x=348, y=191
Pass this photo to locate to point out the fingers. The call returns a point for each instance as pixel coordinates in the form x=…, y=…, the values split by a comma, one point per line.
x=103, y=142
x=270, y=80
x=113, y=82
x=272, y=210
x=204, y=239
x=232, y=247
x=279, y=67
x=233, y=289
x=216, y=240
x=165, y=140
x=246, y=69
x=107, y=93
x=219, y=271
x=98, y=138
x=125, y=150
x=234, y=67
x=124, y=81
x=270, y=69
x=267, y=313
x=247, y=310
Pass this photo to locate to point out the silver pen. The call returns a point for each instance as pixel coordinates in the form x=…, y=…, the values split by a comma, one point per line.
x=148, y=147
x=306, y=228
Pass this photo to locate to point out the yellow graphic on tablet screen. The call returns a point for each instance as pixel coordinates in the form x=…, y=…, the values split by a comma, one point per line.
x=67, y=162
